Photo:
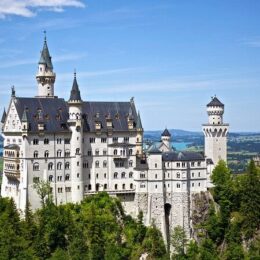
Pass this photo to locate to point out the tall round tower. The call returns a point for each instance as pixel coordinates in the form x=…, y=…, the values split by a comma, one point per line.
x=45, y=75
x=76, y=151
x=215, y=132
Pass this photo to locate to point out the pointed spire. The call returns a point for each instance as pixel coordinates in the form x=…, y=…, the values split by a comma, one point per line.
x=45, y=55
x=139, y=122
x=3, y=117
x=25, y=116
x=75, y=92
x=166, y=133
x=13, y=91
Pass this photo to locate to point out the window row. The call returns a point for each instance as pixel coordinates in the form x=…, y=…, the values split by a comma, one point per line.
x=59, y=178
x=47, y=141
x=123, y=175
x=47, y=154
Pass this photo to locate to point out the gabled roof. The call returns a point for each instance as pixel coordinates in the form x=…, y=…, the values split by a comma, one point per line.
x=215, y=103
x=75, y=92
x=182, y=156
x=3, y=117
x=166, y=133
x=45, y=56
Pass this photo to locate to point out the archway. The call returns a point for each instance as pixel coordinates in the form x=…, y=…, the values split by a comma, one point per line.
x=167, y=212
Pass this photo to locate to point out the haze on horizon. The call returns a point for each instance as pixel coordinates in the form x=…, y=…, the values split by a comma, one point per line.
x=172, y=56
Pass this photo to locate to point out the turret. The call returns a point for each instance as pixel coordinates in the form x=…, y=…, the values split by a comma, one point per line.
x=76, y=126
x=25, y=124
x=139, y=129
x=215, y=132
x=166, y=138
x=45, y=75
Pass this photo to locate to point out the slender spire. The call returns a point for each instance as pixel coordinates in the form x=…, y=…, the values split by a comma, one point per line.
x=139, y=122
x=75, y=92
x=25, y=116
x=45, y=54
x=166, y=133
x=13, y=91
x=3, y=117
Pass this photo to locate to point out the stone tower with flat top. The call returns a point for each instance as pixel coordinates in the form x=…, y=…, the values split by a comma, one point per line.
x=215, y=132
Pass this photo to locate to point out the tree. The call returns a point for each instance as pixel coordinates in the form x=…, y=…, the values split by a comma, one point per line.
x=43, y=189
x=179, y=241
x=250, y=201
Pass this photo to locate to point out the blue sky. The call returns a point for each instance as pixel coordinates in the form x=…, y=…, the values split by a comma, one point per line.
x=171, y=55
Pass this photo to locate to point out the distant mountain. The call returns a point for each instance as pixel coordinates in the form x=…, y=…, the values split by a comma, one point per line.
x=156, y=135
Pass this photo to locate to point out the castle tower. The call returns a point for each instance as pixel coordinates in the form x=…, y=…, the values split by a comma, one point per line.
x=139, y=141
x=166, y=138
x=45, y=75
x=76, y=126
x=215, y=132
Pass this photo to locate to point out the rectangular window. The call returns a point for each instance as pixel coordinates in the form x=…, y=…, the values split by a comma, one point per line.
x=115, y=139
x=192, y=164
x=67, y=141
x=199, y=163
x=89, y=153
x=35, y=141
x=68, y=189
x=178, y=164
x=59, y=190
x=103, y=140
x=126, y=139
x=92, y=140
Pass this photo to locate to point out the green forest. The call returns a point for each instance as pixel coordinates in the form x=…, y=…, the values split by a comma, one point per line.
x=98, y=228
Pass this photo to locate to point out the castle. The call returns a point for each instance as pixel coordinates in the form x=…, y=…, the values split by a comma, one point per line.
x=83, y=147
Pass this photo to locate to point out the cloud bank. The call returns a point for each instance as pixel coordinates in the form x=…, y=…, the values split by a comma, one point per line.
x=29, y=8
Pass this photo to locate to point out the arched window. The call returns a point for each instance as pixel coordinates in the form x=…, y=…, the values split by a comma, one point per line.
x=131, y=186
x=131, y=163
x=46, y=154
x=97, y=152
x=123, y=186
x=104, y=151
x=67, y=177
x=97, y=164
x=178, y=185
x=115, y=152
x=178, y=175
x=50, y=178
x=130, y=151
x=67, y=165
x=67, y=153
x=59, y=165
x=77, y=151
x=115, y=186
x=59, y=153
x=35, y=154
x=123, y=175
x=50, y=166
x=36, y=167
x=104, y=164
x=130, y=174
x=105, y=186
x=115, y=175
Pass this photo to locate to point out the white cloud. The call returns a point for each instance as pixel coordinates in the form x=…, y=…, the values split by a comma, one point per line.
x=255, y=43
x=29, y=8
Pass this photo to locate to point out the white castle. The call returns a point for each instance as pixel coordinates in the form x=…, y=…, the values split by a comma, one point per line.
x=83, y=147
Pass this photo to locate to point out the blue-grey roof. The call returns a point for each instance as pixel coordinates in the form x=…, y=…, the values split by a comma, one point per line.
x=75, y=92
x=166, y=133
x=54, y=114
x=182, y=156
x=12, y=146
x=153, y=149
x=215, y=103
x=45, y=56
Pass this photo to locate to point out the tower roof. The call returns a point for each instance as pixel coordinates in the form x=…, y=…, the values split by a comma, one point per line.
x=139, y=122
x=215, y=103
x=166, y=133
x=45, y=55
x=75, y=92
x=3, y=117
